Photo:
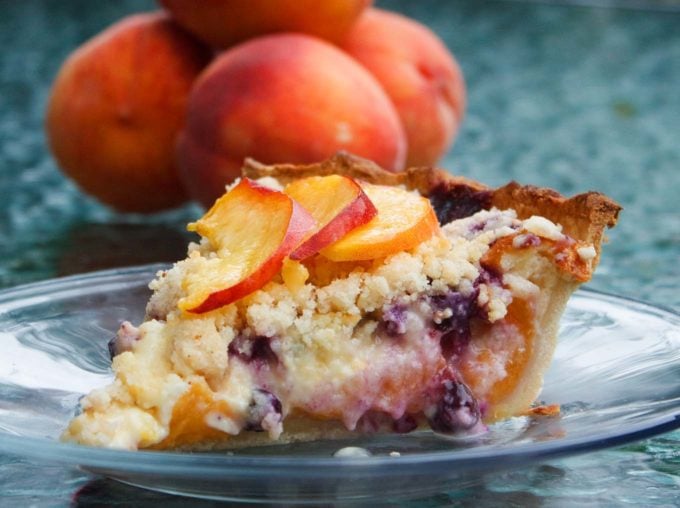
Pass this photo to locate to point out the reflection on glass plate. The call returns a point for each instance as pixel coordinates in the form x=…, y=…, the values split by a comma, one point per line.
x=616, y=374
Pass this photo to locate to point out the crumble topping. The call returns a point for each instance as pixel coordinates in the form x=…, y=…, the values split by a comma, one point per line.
x=543, y=227
x=586, y=253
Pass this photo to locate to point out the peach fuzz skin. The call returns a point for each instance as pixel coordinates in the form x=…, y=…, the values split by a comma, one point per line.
x=116, y=107
x=223, y=23
x=283, y=98
x=418, y=73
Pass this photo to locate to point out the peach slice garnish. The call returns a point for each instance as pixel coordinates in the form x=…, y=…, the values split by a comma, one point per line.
x=252, y=229
x=338, y=204
x=404, y=220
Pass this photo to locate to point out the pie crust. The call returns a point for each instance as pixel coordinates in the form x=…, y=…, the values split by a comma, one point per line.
x=172, y=393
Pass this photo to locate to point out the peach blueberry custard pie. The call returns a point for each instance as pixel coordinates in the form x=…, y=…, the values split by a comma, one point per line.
x=336, y=298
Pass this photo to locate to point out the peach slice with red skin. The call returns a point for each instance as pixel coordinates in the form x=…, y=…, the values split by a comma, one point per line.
x=404, y=220
x=338, y=204
x=252, y=229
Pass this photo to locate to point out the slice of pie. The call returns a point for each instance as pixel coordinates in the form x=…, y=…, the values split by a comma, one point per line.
x=336, y=298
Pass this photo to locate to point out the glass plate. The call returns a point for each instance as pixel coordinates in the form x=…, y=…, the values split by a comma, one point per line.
x=616, y=374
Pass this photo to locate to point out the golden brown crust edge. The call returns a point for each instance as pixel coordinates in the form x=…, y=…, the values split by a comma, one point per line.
x=584, y=217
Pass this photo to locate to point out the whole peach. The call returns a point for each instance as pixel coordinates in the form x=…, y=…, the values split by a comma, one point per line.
x=116, y=107
x=283, y=98
x=223, y=23
x=419, y=74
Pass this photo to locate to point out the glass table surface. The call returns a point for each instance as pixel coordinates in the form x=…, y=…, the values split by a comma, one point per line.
x=570, y=95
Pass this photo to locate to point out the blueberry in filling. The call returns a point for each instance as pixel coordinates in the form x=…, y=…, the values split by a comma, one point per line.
x=394, y=320
x=374, y=421
x=126, y=336
x=264, y=411
x=451, y=314
x=112, y=346
x=456, y=202
x=452, y=311
x=456, y=410
x=253, y=349
x=405, y=424
x=489, y=275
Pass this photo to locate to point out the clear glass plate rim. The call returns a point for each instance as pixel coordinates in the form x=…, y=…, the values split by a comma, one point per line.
x=38, y=291
x=220, y=464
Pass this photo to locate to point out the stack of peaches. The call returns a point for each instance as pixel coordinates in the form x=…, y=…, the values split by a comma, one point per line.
x=163, y=107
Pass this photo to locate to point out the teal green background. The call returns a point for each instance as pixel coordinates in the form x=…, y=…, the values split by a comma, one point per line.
x=571, y=97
